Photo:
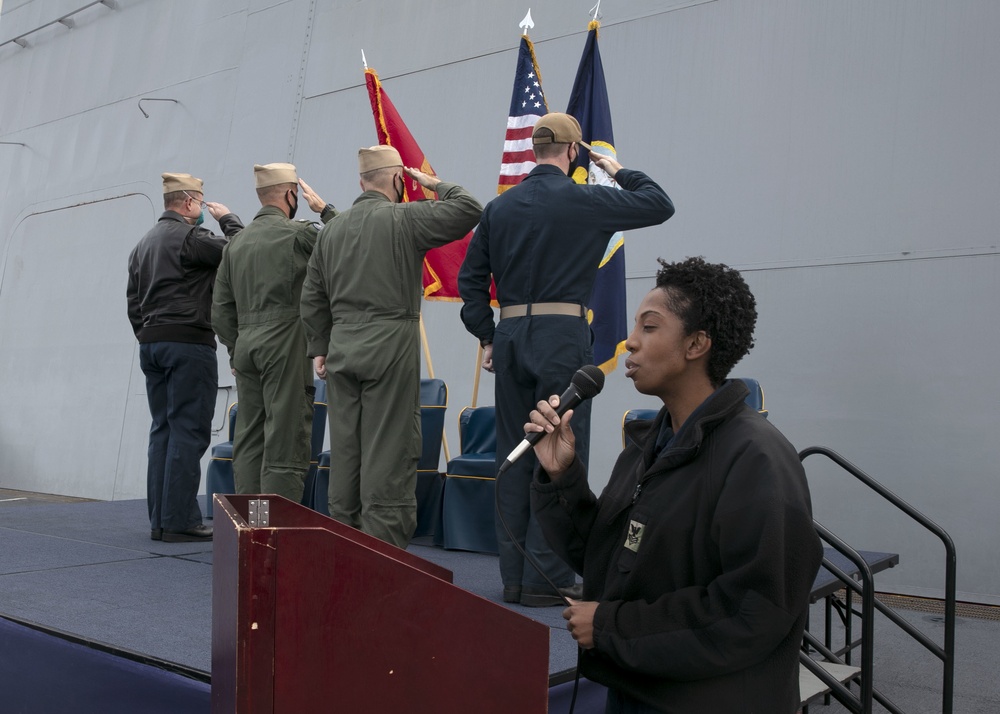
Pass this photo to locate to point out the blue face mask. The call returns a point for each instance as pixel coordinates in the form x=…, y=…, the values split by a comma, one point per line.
x=201, y=218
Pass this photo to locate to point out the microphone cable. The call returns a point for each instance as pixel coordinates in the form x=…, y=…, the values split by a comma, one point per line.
x=588, y=381
x=538, y=568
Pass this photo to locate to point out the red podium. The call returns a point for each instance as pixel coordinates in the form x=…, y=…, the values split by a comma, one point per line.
x=310, y=615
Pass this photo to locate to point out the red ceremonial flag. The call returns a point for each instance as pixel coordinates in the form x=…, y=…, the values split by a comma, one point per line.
x=441, y=264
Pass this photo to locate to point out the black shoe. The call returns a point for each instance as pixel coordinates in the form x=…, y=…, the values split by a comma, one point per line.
x=512, y=593
x=195, y=534
x=544, y=597
x=156, y=534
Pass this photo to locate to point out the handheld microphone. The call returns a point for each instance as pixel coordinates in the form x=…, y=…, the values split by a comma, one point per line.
x=587, y=382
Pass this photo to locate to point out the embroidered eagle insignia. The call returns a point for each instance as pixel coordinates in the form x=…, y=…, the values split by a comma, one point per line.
x=634, y=535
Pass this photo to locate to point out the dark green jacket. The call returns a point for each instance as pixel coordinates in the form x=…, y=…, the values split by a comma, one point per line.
x=260, y=277
x=368, y=263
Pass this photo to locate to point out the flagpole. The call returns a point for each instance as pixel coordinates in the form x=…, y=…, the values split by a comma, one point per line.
x=526, y=24
x=475, y=381
x=524, y=112
x=430, y=373
x=426, y=346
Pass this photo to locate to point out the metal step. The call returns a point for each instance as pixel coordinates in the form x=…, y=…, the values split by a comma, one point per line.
x=811, y=687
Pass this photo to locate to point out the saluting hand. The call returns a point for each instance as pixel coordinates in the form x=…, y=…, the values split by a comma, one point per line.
x=217, y=210
x=426, y=180
x=609, y=165
x=316, y=203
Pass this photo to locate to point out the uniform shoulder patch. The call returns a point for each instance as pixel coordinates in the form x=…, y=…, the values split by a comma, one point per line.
x=634, y=535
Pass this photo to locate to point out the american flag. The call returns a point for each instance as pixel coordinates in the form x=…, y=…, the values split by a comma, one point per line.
x=527, y=104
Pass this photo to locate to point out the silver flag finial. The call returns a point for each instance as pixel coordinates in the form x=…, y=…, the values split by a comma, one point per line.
x=363, y=60
x=596, y=10
x=527, y=23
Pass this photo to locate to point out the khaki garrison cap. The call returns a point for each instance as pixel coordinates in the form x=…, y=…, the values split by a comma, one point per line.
x=556, y=128
x=377, y=157
x=181, y=182
x=274, y=174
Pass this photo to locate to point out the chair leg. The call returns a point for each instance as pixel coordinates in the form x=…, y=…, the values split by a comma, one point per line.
x=309, y=488
x=321, y=487
x=219, y=479
x=467, y=514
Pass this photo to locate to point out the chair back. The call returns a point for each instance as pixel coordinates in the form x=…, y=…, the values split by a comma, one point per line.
x=632, y=415
x=232, y=420
x=319, y=420
x=468, y=502
x=754, y=400
x=477, y=427
x=433, y=403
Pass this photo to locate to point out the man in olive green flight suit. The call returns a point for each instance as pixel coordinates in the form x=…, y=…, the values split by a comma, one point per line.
x=361, y=309
x=255, y=313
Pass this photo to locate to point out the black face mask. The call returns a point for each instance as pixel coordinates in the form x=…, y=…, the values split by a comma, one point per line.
x=292, y=209
x=400, y=192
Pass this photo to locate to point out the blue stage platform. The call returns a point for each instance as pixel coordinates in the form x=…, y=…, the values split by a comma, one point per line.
x=96, y=608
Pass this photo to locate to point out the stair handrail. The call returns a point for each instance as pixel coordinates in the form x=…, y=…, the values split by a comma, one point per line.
x=867, y=591
x=946, y=653
x=847, y=698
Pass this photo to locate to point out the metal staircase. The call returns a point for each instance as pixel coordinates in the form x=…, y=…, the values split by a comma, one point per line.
x=829, y=671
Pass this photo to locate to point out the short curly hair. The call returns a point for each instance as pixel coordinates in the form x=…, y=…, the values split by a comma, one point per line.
x=712, y=297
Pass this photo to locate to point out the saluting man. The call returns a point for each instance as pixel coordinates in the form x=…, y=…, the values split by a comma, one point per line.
x=256, y=315
x=543, y=241
x=170, y=276
x=361, y=307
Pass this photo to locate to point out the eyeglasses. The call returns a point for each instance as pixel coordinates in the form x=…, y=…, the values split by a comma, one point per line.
x=196, y=200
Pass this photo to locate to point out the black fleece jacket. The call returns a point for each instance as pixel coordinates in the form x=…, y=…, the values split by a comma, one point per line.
x=701, y=559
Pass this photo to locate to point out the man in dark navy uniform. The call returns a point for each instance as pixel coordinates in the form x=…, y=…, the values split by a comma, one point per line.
x=543, y=241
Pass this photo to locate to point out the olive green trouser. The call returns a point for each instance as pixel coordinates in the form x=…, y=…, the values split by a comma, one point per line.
x=373, y=389
x=271, y=448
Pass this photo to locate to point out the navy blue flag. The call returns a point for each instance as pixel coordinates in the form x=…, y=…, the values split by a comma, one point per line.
x=588, y=102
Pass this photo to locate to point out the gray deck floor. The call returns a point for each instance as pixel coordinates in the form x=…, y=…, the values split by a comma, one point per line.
x=89, y=568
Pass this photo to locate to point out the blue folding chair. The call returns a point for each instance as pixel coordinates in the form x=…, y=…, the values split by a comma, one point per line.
x=219, y=478
x=754, y=400
x=469, y=500
x=430, y=480
x=318, y=437
x=321, y=484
